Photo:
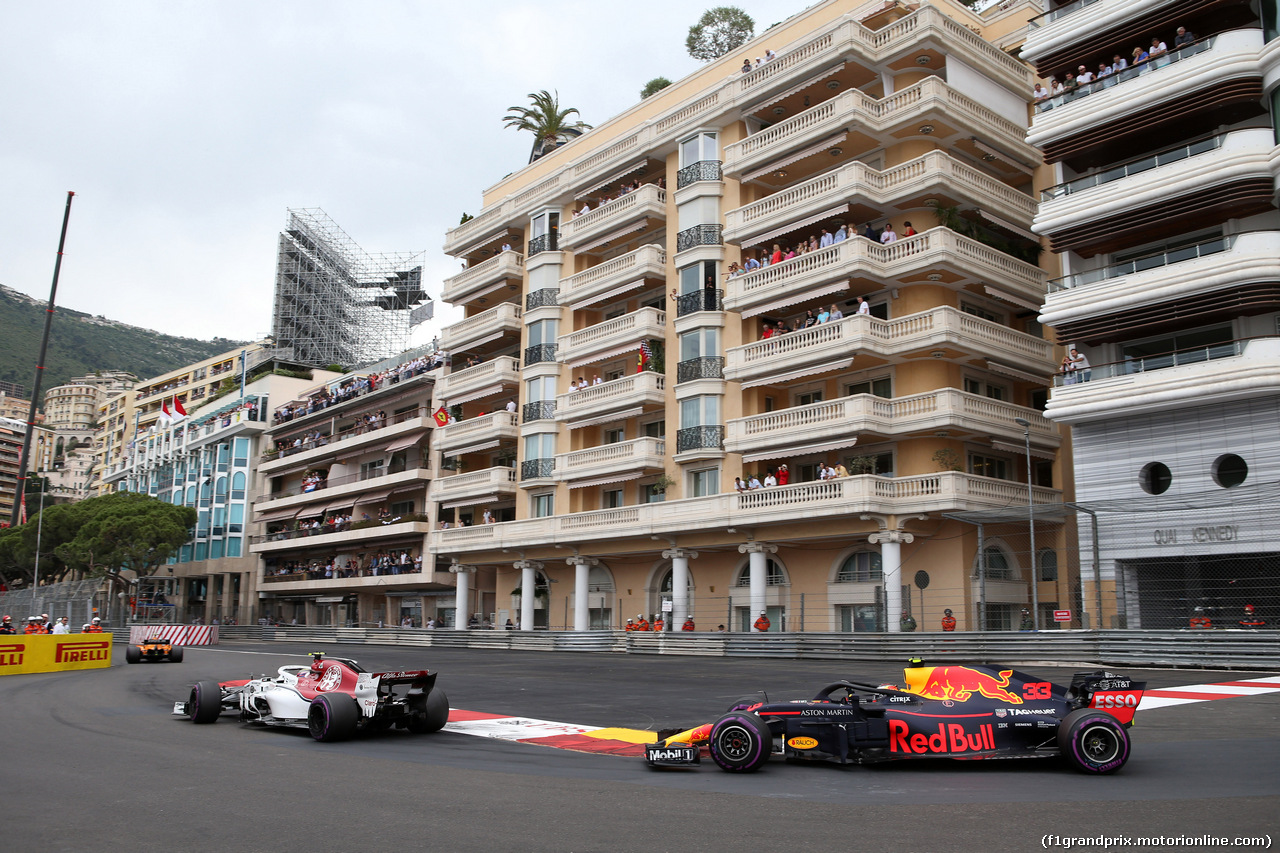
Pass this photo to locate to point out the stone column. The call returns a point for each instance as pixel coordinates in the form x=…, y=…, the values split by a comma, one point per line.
x=679, y=558
x=527, y=579
x=757, y=553
x=462, y=598
x=890, y=542
x=581, y=571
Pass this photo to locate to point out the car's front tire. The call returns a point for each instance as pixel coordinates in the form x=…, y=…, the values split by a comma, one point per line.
x=332, y=717
x=175, y=654
x=132, y=654
x=740, y=742
x=205, y=702
x=1093, y=741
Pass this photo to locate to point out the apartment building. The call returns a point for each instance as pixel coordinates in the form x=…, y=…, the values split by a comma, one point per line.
x=614, y=378
x=71, y=412
x=344, y=506
x=1163, y=214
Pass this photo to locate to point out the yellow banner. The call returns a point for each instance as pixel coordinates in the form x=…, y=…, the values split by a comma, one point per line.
x=53, y=652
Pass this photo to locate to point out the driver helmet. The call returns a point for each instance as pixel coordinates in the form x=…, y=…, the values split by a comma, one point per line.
x=6, y=618
x=1248, y=608
x=947, y=612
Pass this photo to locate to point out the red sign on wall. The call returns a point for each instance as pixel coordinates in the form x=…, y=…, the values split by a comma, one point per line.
x=1062, y=616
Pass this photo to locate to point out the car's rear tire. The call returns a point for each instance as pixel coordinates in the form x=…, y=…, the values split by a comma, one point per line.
x=740, y=742
x=205, y=702
x=431, y=714
x=175, y=654
x=132, y=654
x=332, y=717
x=1093, y=741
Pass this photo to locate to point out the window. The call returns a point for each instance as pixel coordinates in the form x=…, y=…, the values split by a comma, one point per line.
x=871, y=463
x=981, y=311
x=699, y=411
x=773, y=575
x=1155, y=352
x=997, y=564
x=1229, y=470
x=989, y=466
x=220, y=491
x=986, y=389
x=224, y=454
x=1155, y=478
x=233, y=546
x=861, y=567
x=881, y=387
x=699, y=343
x=651, y=494
x=540, y=446
x=614, y=436
x=400, y=508
x=806, y=397
x=238, y=481
x=655, y=429
x=544, y=223
x=695, y=277
x=542, y=332
x=371, y=469
x=541, y=389
x=697, y=148
x=704, y=482
x=612, y=499
x=240, y=458
x=1047, y=563
x=235, y=523
x=543, y=505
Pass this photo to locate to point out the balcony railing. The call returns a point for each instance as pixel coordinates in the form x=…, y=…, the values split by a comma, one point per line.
x=1148, y=363
x=545, y=243
x=1133, y=167
x=504, y=317
x=625, y=392
x=1131, y=73
x=709, y=437
x=536, y=469
x=540, y=410
x=703, y=367
x=1205, y=248
x=590, y=228
x=604, y=279
x=1059, y=13
x=703, y=170
x=284, y=448
x=504, y=265
x=539, y=353
x=699, y=235
x=541, y=298
x=458, y=436
x=612, y=337
x=700, y=300
x=638, y=453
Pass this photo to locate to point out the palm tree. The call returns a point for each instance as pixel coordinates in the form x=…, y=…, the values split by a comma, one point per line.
x=546, y=121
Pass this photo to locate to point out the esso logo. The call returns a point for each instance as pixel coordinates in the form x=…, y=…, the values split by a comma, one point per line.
x=1115, y=700
x=332, y=678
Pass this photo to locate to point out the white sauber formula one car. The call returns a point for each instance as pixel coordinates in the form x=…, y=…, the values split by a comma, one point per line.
x=333, y=698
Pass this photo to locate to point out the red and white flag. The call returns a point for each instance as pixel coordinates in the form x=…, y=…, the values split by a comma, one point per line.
x=178, y=412
x=165, y=417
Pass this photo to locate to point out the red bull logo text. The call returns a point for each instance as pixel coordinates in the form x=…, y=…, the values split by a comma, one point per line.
x=11, y=653
x=949, y=738
x=958, y=683
x=79, y=652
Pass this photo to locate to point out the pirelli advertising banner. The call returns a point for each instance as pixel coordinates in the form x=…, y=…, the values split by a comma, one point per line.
x=53, y=652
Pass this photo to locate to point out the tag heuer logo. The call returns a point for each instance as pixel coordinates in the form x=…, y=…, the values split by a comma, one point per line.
x=1001, y=712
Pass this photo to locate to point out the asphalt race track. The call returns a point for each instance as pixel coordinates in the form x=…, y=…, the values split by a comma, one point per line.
x=95, y=759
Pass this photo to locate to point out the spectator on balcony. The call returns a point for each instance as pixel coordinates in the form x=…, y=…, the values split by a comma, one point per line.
x=1183, y=39
x=506, y=247
x=824, y=316
x=737, y=485
x=752, y=264
x=511, y=406
x=1119, y=63
x=888, y=235
x=759, y=62
x=734, y=271
x=813, y=243
x=746, y=66
x=776, y=256
x=841, y=471
x=842, y=234
x=1070, y=84
x=826, y=239
x=1158, y=48
x=767, y=333
x=791, y=253
x=769, y=479
x=754, y=483
x=1140, y=56
x=488, y=517
x=836, y=313
x=1080, y=365
x=863, y=306
x=907, y=230
x=1083, y=75
x=1104, y=71
x=596, y=380
x=769, y=55
x=1039, y=92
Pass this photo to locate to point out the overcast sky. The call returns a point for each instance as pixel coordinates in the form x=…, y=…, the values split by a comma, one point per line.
x=188, y=129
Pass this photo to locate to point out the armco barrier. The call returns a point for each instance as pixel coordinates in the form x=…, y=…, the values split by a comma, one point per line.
x=20, y=653
x=1226, y=649
x=179, y=635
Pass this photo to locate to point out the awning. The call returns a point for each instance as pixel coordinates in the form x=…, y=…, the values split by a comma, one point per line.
x=1009, y=226
x=610, y=418
x=608, y=294
x=600, y=481
x=835, y=69
x=799, y=155
x=1021, y=449
x=808, y=220
x=838, y=364
x=802, y=450
x=372, y=497
x=490, y=289
x=475, y=395
x=279, y=515
x=634, y=346
x=1010, y=298
x=471, y=448
x=345, y=503
x=461, y=502
x=489, y=238
x=616, y=176
x=331, y=599
x=997, y=367
x=406, y=441
x=798, y=296
x=613, y=235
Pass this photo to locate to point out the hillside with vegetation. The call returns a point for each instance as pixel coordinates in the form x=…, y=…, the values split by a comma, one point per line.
x=82, y=343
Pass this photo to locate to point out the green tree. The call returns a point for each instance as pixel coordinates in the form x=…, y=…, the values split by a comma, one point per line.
x=657, y=84
x=719, y=31
x=126, y=531
x=549, y=124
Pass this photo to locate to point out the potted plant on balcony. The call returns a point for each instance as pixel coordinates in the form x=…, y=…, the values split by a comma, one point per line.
x=663, y=483
x=947, y=460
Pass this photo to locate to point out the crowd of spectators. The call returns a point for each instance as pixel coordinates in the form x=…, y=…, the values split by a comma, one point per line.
x=816, y=242
x=782, y=477
x=623, y=190
x=812, y=317
x=747, y=66
x=363, y=566
x=357, y=386
x=1087, y=79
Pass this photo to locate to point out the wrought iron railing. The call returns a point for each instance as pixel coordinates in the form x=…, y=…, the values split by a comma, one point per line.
x=537, y=469
x=703, y=367
x=541, y=410
x=699, y=235
x=539, y=353
x=545, y=243
x=540, y=298
x=703, y=170
x=700, y=300
x=709, y=437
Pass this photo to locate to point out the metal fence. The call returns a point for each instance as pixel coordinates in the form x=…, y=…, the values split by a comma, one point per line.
x=79, y=601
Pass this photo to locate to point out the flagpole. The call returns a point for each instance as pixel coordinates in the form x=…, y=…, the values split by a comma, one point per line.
x=35, y=393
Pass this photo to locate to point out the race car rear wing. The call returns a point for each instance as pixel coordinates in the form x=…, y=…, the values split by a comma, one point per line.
x=423, y=677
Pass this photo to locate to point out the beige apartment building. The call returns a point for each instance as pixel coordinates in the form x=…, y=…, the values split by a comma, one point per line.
x=71, y=413
x=601, y=298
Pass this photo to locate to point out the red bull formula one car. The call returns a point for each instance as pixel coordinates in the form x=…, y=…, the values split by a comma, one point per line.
x=332, y=699
x=948, y=711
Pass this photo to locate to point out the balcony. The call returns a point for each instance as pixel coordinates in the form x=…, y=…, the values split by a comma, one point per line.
x=475, y=487
x=691, y=440
x=482, y=328
x=609, y=463
x=352, y=539
x=614, y=277
x=484, y=278
x=617, y=399
x=699, y=235
x=947, y=491
x=612, y=337
x=826, y=271
x=774, y=360
x=614, y=219
x=539, y=410
x=384, y=582
x=1172, y=192
x=537, y=469
x=482, y=433
x=342, y=492
x=410, y=425
x=702, y=367
x=1214, y=82
x=1235, y=370
x=935, y=174
x=707, y=299
x=930, y=99
x=703, y=170
x=839, y=423
x=1235, y=275
x=539, y=354
x=490, y=378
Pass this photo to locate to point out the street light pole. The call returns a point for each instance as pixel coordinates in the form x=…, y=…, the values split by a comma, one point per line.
x=1031, y=518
